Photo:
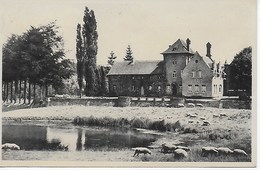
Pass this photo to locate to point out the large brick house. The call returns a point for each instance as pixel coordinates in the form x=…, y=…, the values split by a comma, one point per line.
x=181, y=73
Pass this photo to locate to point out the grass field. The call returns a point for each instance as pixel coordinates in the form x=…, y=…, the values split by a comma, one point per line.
x=232, y=129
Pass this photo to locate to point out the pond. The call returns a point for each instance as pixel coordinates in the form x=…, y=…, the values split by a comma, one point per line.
x=35, y=137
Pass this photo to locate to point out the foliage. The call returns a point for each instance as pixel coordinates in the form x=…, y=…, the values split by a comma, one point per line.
x=241, y=71
x=110, y=61
x=37, y=56
x=129, y=53
x=90, y=48
x=80, y=59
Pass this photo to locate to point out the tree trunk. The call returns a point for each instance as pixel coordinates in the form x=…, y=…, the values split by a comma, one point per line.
x=4, y=93
x=20, y=90
x=24, y=91
x=11, y=95
x=7, y=91
x=34, y=91
x=15, y=90
x=46, y=90
x=29, y=94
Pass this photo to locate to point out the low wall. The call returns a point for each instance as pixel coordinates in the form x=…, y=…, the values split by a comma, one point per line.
x=124, y=101
x=57, y=101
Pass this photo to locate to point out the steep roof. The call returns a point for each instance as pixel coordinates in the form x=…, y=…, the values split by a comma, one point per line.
x=136, y=68
x=178, y=47
x=206, y=59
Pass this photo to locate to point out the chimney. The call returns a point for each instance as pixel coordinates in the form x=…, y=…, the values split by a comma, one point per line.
x=188, y=44
x=208, y=45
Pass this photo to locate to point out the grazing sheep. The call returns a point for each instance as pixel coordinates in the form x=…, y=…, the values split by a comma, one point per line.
x=167, y=148
x=190, y=121
x=224, y=151
x=199, y=105
x=205, y=151
x=202, y=118
x=205, y=123
x=143, y=150
x=215, y=115
x=240, y=152
x=180, y=153
x=191, y=105
x=222, y=114
x=180, y=105
x=11, y=146
x=183, y=147
x=193, y=116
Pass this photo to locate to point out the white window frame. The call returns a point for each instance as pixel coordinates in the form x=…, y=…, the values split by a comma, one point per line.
x=200, y=74
x=197, y=89
x=190, y=88
x=203, y=88
x=193, y=74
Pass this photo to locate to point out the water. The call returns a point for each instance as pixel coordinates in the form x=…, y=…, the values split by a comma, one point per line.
x=33, y=137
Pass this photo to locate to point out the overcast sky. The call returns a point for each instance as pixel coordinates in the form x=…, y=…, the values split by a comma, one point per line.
x=148, y=26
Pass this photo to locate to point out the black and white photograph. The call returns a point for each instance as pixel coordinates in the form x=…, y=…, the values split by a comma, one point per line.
x=128, y=83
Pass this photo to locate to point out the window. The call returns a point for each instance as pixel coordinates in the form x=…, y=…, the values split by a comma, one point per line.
x=220, y=88
x=193, y=74
x=133, y=88
x=150, y=87
x=190, y=88
x=133, y=77
x=180, y=88
x=196, y=88
x=174, y=74
x=199, y=73
x=196, y=61
x=159, y=88
x=203, y=89
x=114, y=87
x=174, y=62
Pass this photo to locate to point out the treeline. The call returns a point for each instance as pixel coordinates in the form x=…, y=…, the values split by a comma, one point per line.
x=32, y=62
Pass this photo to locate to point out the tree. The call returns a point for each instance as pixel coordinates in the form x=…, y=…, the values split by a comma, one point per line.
x=110, y=61
x=241, y=71
x=129, y=53
x=80, y=59
x=90, y=48
x=36, y=57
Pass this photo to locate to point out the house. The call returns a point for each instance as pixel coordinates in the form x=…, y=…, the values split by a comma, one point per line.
x=182, y=72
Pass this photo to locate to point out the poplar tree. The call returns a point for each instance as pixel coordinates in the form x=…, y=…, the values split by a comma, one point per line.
x=80, y=59
x=90, y=48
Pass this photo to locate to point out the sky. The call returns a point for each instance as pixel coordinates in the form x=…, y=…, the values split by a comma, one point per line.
x=148, y=26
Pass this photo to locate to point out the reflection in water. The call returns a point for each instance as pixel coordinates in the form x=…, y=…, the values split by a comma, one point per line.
x=32, y=137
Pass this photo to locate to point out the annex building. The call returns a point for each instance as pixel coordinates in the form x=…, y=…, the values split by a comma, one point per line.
x=182, y=72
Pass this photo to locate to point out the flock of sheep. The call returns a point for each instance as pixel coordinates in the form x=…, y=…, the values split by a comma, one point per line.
x=182, y=151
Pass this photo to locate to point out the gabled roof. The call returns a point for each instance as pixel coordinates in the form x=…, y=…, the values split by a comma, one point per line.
x=206, y=59
x=178, y=47
x=136, y=68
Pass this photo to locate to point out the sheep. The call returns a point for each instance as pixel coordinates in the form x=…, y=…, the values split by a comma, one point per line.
x=183, y=147
x=224, y=151
x=222, y=114
x=202, y=118
x=205, y=123
x=215, y=115
x=205, y=151
x=240, y=152
x=191, y=105
x=199, y=105
x=180, y=105
x=11, y=146
x=190, y=121
x=193, y=116
x=167, y=148
x=180, y=153
x=143, y=150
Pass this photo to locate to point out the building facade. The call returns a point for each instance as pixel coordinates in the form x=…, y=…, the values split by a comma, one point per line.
x=181, y=73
